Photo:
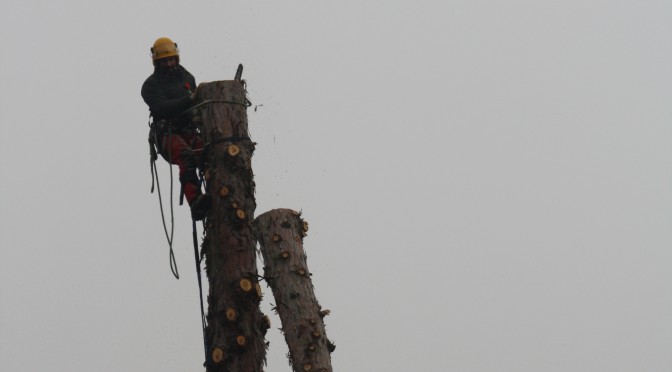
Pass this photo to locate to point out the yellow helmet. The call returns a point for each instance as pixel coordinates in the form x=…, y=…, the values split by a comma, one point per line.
x=164, y=48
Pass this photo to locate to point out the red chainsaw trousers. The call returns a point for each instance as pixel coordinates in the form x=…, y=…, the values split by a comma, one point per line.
x=184, y=150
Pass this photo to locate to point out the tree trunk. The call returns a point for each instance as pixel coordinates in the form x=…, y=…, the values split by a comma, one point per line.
x=280, y=233
x=236, y=327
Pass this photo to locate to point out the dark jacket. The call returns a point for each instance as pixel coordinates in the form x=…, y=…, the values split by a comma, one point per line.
x=167, y=95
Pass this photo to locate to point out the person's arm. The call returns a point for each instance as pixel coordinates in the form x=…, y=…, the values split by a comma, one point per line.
x=160, y=104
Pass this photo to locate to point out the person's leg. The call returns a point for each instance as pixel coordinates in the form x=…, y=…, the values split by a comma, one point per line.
x=177, y=150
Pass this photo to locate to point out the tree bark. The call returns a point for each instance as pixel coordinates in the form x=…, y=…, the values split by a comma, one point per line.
x=236, y=327
x=280, y=233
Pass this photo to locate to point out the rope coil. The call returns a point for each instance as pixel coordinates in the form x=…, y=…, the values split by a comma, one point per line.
x=155, y=176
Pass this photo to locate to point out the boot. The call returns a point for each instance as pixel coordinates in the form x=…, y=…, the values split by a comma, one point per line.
x=200, y=206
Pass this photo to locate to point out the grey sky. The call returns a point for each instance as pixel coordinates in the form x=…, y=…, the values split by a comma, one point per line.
x=488, y=183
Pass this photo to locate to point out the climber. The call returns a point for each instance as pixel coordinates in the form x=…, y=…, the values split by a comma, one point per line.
x=170, y=92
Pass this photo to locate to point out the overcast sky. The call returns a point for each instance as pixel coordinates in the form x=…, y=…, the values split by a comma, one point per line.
x=488, y=183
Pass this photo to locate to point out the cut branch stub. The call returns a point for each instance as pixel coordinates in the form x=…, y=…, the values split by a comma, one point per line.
x=233, y=150
x=241, y=340
x=231, y=314
x=245, y=285
x=217, y=355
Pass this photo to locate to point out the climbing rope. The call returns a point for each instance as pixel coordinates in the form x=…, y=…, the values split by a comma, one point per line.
x=169, y=237
x=204, y=322
x=247, y=103
x=155, y=175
